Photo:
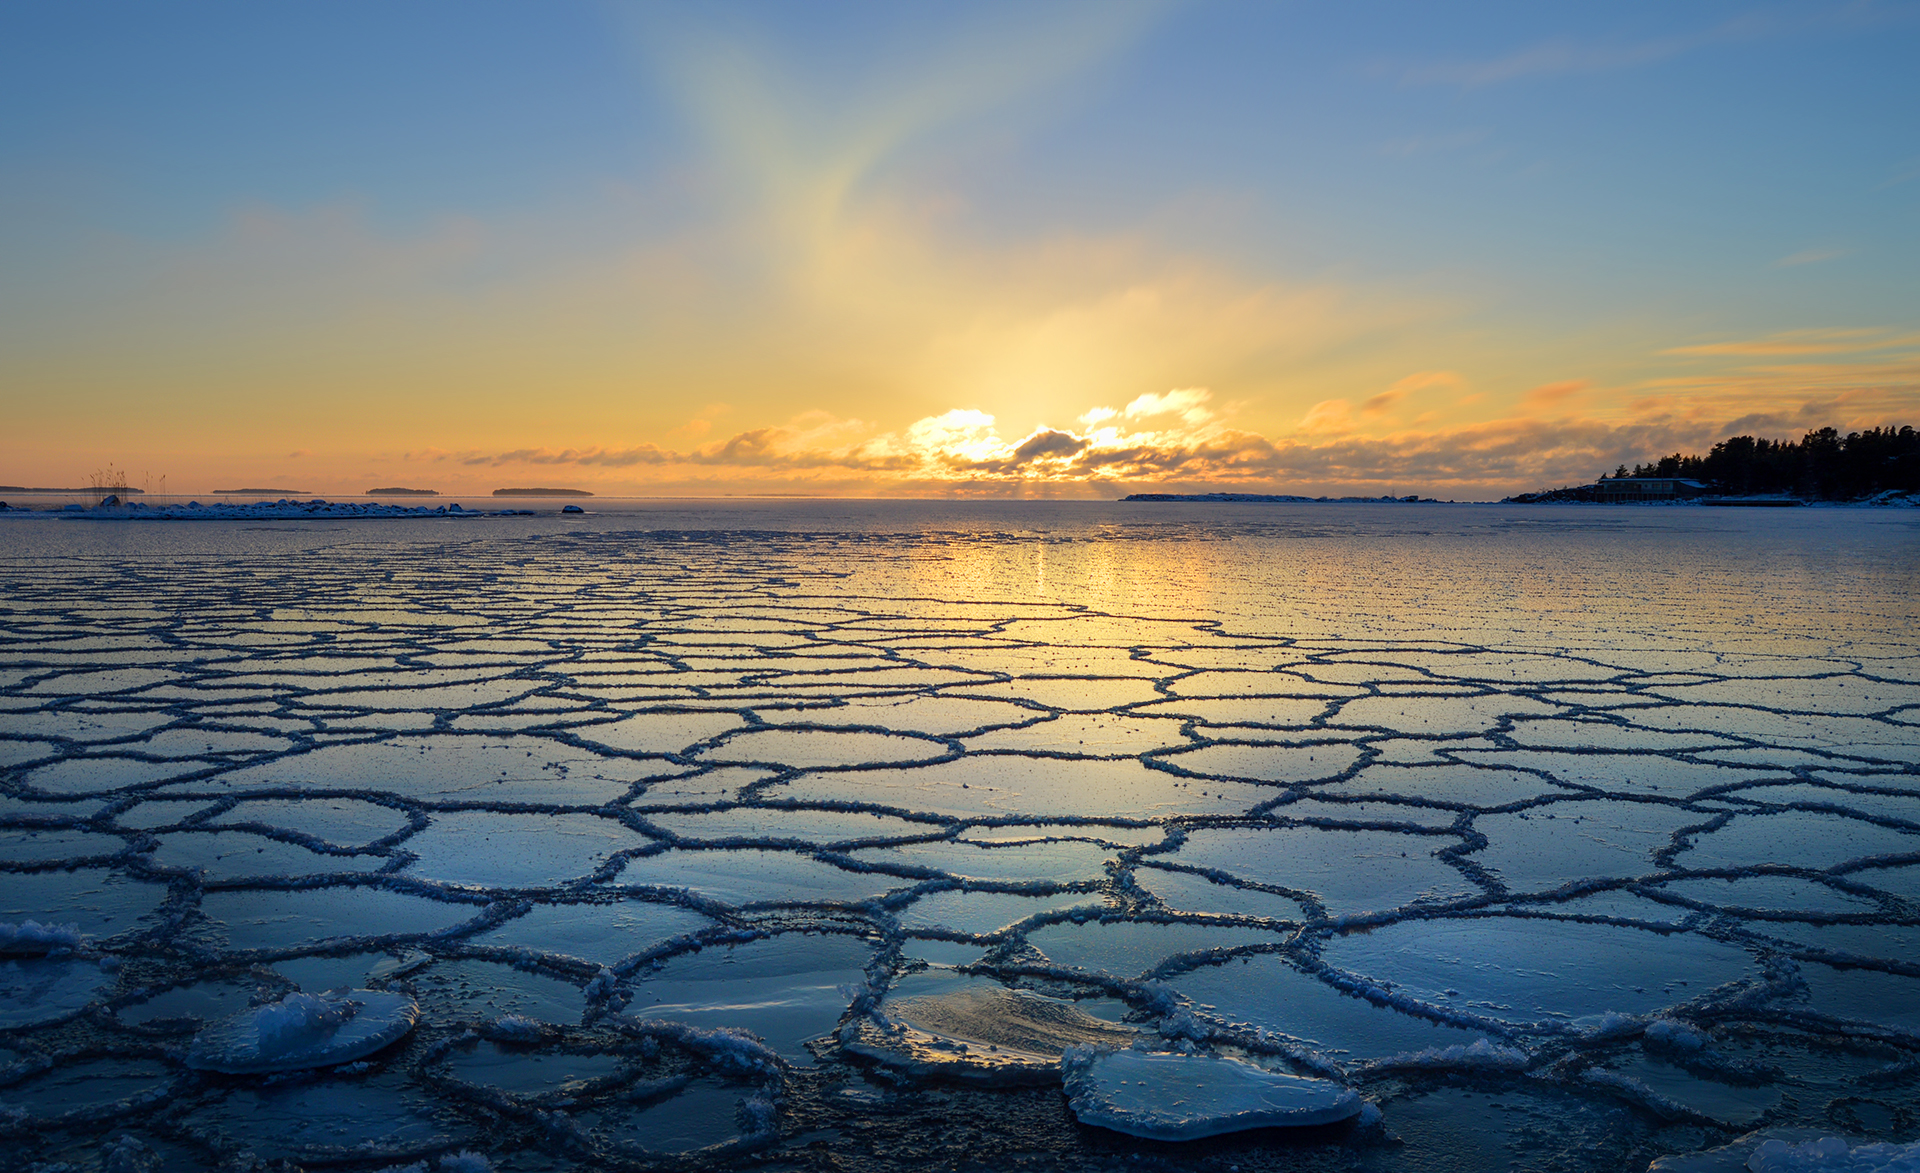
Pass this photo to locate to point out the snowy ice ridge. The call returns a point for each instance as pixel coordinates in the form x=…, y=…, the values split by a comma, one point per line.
x=702, y=848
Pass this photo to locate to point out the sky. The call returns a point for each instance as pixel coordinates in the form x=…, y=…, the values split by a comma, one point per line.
x=1042, y=248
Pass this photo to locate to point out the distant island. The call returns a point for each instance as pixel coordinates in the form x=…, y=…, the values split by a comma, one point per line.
x=1879, y=464
x=399, y=492
x=86, y=489
x=1270, y=498
x=282, y=492
x=541, y=493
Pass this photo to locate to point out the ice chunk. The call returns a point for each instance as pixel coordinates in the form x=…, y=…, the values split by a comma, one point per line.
x=979, y=1031
x=32, y=937
x=1185, y=1097
x=1830, y=1152
x=304, y=1030
x=1791, y=1150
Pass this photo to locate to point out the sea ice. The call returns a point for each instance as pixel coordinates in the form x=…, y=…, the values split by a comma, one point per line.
x=200, y=1001
x=1264, y=762
x=1537, y=971
x=1350, y=871
x=1266, y=992
x=1054, y=862
x=1547, y=846
x=1796, y=838
x=1449, y=782
x=304, y=1030
x=469, y=989
x=659, y=733
x=1128, y=949
x=39, y=990
x=1795, y=1150
x=495, y=850
x=368, y=1119
x=345, y=822
x=749, y=876
x=240, y=855
x=820, y=749
x=83, y=1089
x=986, y=912
x=812, y=826
x=527, y=1072
x=976, y=1030
x=1188, y=892
x=1185, y=1097
x=702, y=1115
x=787, y=989
x=268, y=918
x=34, y=845
x=600, y=933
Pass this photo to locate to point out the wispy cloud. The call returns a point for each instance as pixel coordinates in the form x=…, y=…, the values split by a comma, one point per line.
x=1552, y=394
x=1797, y=342
x=1564, y=56
x=1811, y=256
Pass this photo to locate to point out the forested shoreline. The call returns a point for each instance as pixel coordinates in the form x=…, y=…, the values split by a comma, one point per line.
x=1823, y=465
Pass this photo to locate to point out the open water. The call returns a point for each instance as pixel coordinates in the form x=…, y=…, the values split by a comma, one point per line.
x=1568, y=837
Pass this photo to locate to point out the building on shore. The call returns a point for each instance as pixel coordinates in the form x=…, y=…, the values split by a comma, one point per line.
x=1648, y=488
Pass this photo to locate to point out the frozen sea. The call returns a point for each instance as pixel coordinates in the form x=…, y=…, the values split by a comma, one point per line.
x=1567, y=837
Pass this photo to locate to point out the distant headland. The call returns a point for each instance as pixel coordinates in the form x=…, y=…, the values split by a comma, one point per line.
x=541, y=493
x=399, y=492
x=122, y=489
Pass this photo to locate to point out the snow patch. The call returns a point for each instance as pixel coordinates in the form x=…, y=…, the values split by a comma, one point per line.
x=304, y=1030
x=1479, y=1055
x=33, y=937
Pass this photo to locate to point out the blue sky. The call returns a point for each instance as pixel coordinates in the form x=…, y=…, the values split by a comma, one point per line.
x=828, y=222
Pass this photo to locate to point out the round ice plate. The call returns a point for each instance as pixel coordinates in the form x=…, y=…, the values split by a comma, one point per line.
x=304, y=1030
x=1184, y=1097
